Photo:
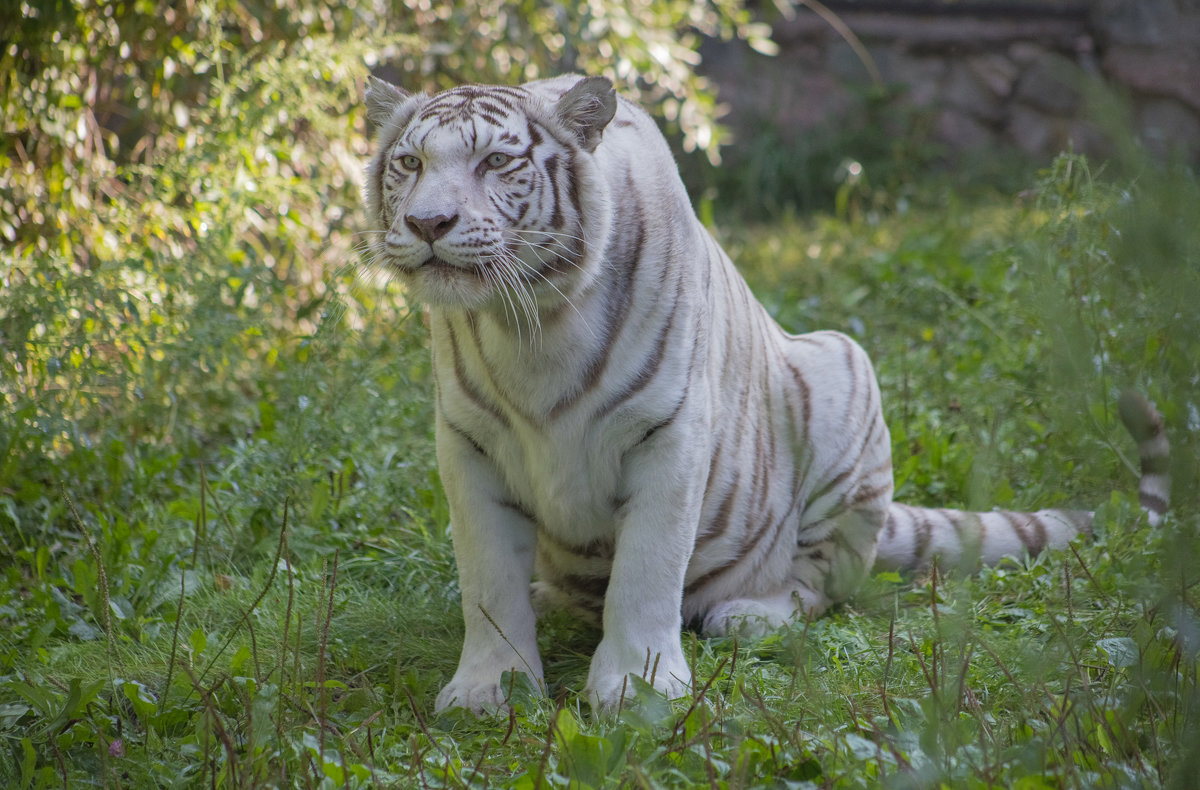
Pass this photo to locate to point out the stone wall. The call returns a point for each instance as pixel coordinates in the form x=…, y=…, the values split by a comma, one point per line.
x=984, y=74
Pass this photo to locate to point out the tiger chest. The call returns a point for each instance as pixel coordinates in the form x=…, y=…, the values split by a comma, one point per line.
x=565, y=474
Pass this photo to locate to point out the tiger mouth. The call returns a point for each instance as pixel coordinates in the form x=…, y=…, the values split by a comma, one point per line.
x=435, y=263
x=439, y=265
x=436, y=266
x=478, y=268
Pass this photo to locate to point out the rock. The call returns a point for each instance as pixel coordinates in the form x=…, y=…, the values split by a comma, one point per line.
x=1039, y=133
x=844, y=62
x=995, y=71
x=1173, y=73
x=981, y=79
x=800, y=101
x=1085, y=136
x=1141, y=22
x=1050, y=84
x=1029, y=130
x=1167, y=127
x=960, y=131
x=922, y=76
x=964, y=91
x=1025, y=52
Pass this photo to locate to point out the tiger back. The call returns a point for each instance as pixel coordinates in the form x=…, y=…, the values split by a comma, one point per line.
x=617, y=416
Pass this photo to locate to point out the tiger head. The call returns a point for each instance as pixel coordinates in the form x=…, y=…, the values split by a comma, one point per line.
x=490, y=195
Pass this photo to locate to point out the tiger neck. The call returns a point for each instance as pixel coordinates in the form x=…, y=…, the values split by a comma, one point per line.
x=529, y=359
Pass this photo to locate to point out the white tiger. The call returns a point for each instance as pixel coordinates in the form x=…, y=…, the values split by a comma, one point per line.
x=616, y=412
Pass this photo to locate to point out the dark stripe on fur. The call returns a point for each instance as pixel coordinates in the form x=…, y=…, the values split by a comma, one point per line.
x=645, y=375
x=592, y=586
x=721, y=519
x=620, y=299
x=597, y=549
x=556, y=215
x=468, y=388
x=1152, y=502
x=1020, y=522
x=519, y=509
x=508, y=404
x=468, y=438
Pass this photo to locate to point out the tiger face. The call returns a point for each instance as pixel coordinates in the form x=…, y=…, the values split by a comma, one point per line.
x=483, y=196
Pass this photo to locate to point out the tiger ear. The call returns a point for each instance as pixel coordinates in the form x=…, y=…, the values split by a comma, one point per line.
x=587, y=108
x=382, y=99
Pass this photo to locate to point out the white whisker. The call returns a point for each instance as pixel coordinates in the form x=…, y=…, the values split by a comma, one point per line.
x=496, y=281
x=512, y=299
x=530, y=273
x=559, y=251
x=519, y=282
x=516, y=275
x=554, y=244
x=553, y=234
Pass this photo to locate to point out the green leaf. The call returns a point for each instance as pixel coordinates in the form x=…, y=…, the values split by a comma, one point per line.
x=42, y=700
x=11, y=713
x=83, y=631
x=521, y=693
x=860, y=747
x=320, y=500
x=565, y=726
x=648, y=708
x=197, y=641
x=240, y=657
x=144, y=703
x=78, y=697
x=1121, y=651
x=28, y=762
x=266, y=415
x=589, y=759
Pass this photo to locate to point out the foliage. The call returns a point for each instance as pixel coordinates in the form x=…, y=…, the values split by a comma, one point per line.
x=225, y=557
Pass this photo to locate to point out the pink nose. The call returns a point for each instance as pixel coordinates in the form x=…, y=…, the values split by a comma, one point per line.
x=430, y=229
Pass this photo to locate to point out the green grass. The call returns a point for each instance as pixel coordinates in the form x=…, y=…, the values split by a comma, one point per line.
x=249, y=583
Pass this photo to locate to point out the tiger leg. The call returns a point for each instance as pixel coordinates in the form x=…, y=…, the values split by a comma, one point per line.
x=842, y=505
x=823, y=573
x=494, y=548
x=656, y=530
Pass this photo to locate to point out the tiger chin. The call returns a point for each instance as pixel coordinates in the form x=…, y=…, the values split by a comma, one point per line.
x=617, y=416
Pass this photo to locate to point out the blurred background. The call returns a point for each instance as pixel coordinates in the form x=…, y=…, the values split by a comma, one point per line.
x=986, y=84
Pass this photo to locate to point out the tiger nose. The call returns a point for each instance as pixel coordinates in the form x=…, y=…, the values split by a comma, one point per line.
x=430, y=229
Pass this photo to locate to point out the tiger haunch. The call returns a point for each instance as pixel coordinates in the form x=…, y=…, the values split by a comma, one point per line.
x=616, y=413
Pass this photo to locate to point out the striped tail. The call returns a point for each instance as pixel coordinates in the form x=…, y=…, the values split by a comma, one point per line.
x=912, y=536
x=1146, y=425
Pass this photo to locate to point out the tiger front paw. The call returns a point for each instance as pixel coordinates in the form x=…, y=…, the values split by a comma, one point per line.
x=486, y=694
x=476, y=696
x=608, y=685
